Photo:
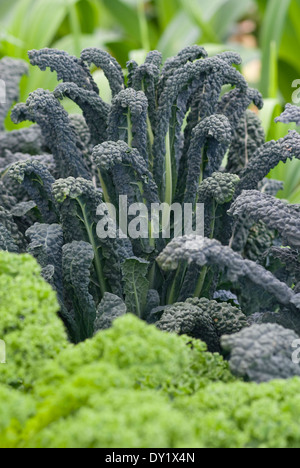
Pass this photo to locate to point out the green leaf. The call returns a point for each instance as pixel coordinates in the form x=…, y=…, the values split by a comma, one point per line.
x=166, y=11
x=77, y=263
x=180, y=33
x=126, y=16
x=110, y=308
x=195, y=12
x=295, y=197
x=226, y=16
x=136, y=284
x=272, y=31
x=267, y=114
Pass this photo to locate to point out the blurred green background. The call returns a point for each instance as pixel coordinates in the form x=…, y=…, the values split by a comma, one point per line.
x=265, y=32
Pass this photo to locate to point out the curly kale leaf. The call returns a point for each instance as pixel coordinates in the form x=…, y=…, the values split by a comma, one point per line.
x=46, y=243
x=286, y=318
x=37, y=182
x=44, y=109
x=110, y=308
x=77, y=263
x=267, y=157
x=145, y=78
x=11, y=72
x=288, y=257
x=203, y=319
x=210, y=141
x=95, y=110
x=128, y=120
x=111, y=68
x=262, y=353
x=187, y=319
x=7, y=219
x=79, y=125
x=248, y=137
x=69, y=69
x=271, y=186
x=226, y=296
x=78, y=202
x=7, y=242
x=209, y=252
x=12, y=158
x=227, y=319
x=214, y=191
x=273, y=212
x=291, y=114
x=260, y=240
x=26, y=140
x=136, y=285
x=188, y=54
x=116, y=160
x=234, y=103
x=175, y=101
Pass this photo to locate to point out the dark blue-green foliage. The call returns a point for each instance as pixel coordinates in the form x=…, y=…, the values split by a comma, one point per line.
x=175, y=132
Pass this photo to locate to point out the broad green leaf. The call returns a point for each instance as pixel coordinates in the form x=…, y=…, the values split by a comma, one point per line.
x=77, y=262
x=7, y=9
x=228, y=14
x=295, y=197
x=110, y=308
x=195, y=12
x=272, y=31
x=166, y=10
x=136, y=284
x=267, y=114
x=180, y=33
x=126, y=16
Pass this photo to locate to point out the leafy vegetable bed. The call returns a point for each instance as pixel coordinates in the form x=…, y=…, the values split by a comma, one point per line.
x=129, y=386
x=163, y=139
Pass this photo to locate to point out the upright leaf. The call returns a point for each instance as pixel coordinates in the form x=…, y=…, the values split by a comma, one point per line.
x=136, y=285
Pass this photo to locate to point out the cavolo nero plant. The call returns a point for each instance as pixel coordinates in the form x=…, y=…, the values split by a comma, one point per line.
x=163, y=139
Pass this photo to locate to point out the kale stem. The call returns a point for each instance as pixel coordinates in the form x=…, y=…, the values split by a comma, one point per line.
x=75, y=28
x=151, y=276
x=204, y=271
x=150, y=135
x=129, y=129
x=151, y=238
x=97, y=260
x=151, y=142
x=168, y=187
x=143, y=25
x=104, y=188
x=169, y=182
x=213, y=222
x=200, y=283
x=173, y=294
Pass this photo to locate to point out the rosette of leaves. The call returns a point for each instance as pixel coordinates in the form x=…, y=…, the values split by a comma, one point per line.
x=161, y=140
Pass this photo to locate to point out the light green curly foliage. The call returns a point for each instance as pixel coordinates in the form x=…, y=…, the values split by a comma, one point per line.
x=131, y=386
x=29, y=323
x=245, y=415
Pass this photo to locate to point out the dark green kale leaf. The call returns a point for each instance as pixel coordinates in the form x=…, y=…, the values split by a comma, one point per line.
x=11, y=72
x=108, y=64
x=110, y=308
x=262, y=353
x=69, y=69
x=44, y=109
x=77, y=263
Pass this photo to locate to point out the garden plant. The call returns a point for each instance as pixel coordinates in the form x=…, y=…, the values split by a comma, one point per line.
x=178, y=326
